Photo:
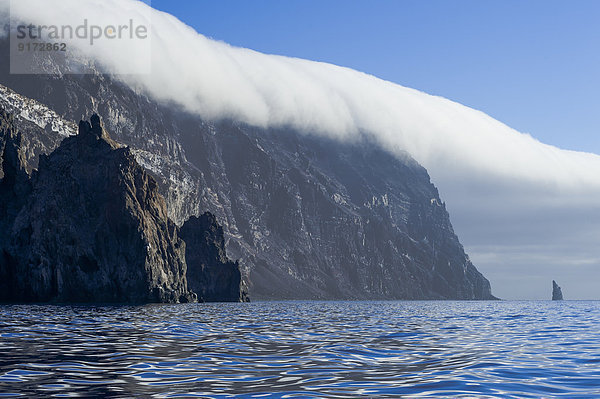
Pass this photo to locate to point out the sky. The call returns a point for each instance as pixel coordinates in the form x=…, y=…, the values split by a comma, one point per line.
x=526, y=212
x=530, y=64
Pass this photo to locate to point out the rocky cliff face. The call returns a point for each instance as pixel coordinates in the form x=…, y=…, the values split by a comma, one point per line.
x=92, y=228
x=15, y=186
x=308, y=218
x=210, y=273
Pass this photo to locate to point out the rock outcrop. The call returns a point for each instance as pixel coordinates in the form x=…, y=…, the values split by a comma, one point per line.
x=210, y=273
x=556, y=292
x=91, y=227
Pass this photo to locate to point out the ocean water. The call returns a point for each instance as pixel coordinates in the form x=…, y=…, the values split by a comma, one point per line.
x=303, y=349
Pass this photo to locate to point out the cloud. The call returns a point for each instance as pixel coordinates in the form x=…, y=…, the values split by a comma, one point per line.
x=500, y=185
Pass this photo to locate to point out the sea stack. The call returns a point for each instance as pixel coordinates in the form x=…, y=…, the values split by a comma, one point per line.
x=210, y=273
x=556, y=292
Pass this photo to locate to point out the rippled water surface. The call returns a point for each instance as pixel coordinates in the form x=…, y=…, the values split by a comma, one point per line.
x=300, y=349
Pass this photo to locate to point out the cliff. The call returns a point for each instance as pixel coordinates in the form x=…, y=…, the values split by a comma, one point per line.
x=309, y=218
x=92, y=229
x=15, y=186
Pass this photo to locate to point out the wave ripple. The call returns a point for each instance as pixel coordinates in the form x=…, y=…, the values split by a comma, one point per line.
x=303, y=349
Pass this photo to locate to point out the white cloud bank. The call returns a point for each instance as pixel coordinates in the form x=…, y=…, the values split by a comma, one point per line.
x=504, y=189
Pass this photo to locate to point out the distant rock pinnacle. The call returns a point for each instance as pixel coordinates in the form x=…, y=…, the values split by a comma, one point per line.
x=556, y=292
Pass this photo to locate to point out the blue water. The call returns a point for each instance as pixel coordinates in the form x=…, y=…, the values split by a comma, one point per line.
x=303, y=349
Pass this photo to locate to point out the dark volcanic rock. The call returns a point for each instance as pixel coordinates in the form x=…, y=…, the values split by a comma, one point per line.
x=93, y=229
x=15, y=181
x=210, y=273
x=15, y=186
x=556, y=292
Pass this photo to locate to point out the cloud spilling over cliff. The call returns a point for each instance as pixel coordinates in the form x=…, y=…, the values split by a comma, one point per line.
x=505, y=190
x=217, y=80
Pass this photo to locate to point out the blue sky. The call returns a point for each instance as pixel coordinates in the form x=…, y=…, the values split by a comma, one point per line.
x=531, y=64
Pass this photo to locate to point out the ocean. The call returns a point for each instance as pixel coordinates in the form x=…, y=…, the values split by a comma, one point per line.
x=520, y=349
